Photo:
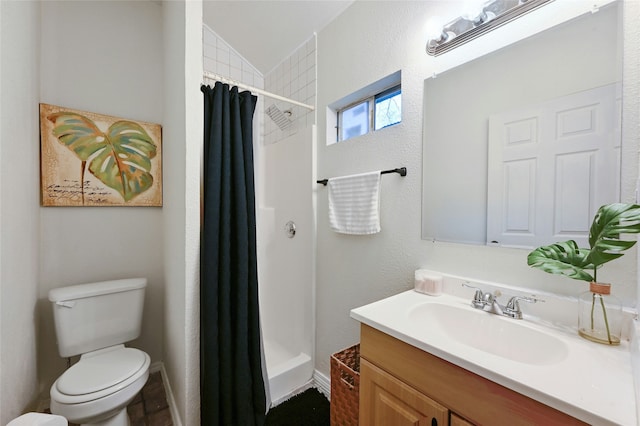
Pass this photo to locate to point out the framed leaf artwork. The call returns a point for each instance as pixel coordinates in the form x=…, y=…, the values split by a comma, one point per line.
x=89, y=159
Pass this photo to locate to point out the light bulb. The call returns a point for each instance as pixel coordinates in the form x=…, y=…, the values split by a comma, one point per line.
x=434, y=28
x=474, y=12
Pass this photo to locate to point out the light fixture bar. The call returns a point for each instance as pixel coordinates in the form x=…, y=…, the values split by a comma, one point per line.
x=497, y=12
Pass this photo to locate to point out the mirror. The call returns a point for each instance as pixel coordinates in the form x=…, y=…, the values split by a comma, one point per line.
x=474, y=190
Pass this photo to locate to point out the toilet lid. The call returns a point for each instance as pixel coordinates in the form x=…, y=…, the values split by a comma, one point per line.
x=93, y=374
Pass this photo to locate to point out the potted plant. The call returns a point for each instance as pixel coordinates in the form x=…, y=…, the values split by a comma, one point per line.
x=605, y=245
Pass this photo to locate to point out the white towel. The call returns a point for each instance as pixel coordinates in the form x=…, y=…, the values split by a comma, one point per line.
x=354, y=203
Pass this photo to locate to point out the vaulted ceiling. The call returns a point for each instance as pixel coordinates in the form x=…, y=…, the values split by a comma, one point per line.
x=265, y=32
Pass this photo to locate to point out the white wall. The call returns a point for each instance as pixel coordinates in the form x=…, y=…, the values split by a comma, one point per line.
x=183, y=125
x=104, y=57
x=286, y=264
x=19, y=199
x=372, y=40
x=287, y=192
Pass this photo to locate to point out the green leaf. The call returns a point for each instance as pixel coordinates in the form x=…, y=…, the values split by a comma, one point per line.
x=78, y=133
x=610, y=221
x=120, y=158
x=562, y=258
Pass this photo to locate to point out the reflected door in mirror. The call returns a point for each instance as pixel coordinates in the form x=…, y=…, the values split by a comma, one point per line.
x=551, y=166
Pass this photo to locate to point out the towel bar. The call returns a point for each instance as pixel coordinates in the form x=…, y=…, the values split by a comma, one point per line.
x=402, y=171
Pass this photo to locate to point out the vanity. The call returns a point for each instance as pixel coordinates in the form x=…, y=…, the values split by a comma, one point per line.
x=438, y=361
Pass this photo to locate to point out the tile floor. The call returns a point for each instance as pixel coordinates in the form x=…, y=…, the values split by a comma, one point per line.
x=149, y=408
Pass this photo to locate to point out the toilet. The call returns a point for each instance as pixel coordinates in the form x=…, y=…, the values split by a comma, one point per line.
x=38, y=419
x=95, y=321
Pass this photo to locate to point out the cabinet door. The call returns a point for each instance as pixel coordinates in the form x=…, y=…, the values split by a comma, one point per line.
x=385, y=400
x=458, y=421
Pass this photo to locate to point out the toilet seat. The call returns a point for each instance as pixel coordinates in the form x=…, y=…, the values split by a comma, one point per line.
x=99, y=374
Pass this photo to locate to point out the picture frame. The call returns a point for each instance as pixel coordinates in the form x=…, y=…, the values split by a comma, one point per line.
x=91, y=159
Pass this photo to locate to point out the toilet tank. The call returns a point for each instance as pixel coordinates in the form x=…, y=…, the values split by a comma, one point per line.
x=93, y=316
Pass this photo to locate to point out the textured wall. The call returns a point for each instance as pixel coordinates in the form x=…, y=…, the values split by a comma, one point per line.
x=19, y=198
x=182, y=28
x=368, y=41
x=114, y=70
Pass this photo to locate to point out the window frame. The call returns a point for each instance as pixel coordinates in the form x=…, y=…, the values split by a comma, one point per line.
x=339, y=126
x=371, y=109
x=386, y=94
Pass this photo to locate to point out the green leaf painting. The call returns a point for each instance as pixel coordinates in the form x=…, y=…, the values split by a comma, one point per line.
x=120, y=157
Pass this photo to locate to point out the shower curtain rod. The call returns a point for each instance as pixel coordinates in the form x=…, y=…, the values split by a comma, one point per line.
x=252, y=89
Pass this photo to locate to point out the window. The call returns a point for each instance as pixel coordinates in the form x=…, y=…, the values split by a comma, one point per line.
x=375, y=112
x=388, y=108
x=354, y=121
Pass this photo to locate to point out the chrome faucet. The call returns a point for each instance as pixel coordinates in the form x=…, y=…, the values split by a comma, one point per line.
x=489, y=302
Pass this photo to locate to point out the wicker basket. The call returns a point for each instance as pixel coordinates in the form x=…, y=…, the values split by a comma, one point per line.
x=345, y=386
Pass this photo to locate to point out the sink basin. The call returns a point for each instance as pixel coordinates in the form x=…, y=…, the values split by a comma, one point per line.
x=504, y=337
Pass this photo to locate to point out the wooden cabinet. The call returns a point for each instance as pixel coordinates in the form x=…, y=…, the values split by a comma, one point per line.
x=387, y=401
x=458, y=421
x=403, y=385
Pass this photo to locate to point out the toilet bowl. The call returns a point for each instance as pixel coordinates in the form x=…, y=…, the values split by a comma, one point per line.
x=94, y=321
x=99, y=387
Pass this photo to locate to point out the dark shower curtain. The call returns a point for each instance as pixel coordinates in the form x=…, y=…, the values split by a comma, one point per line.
x=231, y=383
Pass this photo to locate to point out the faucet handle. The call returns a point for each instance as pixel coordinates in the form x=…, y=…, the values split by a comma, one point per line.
x=478, y=297
x=513, y=307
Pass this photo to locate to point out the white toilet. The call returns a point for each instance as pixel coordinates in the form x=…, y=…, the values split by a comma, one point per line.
x=94, y=321
x=38, y=419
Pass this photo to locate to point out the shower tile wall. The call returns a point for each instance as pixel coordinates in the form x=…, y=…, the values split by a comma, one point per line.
x=294, y=78
x=220, y=58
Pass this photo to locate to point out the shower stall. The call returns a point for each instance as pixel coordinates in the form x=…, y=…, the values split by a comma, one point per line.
x=284, y=146
x=286, y=241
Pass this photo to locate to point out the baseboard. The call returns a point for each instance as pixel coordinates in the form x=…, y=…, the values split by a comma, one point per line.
x=322, y=383
x=171, y=401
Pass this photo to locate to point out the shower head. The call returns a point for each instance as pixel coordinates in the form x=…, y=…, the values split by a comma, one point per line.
x=282, y=119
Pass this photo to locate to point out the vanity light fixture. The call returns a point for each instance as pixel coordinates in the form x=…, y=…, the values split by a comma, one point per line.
x=474, y=23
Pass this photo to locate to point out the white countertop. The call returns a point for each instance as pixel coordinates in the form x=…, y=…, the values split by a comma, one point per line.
x=593, y=382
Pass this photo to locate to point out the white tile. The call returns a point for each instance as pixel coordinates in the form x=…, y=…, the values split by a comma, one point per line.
x=209, y=64
x=235, y=74
x=235, y=60
x=294, y=58
x=295, y=86
x=222, y=55
x=258, y=81
x=286, y=65
x=311, y=45
x=209, y=37
x=247, y=78
x=223, y=68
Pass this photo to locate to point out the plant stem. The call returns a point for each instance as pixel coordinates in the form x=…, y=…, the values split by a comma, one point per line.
x=82, y=168
x=593, y=305
x=606, y=321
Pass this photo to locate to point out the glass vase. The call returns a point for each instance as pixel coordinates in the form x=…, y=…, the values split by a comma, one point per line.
x=600, y=315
